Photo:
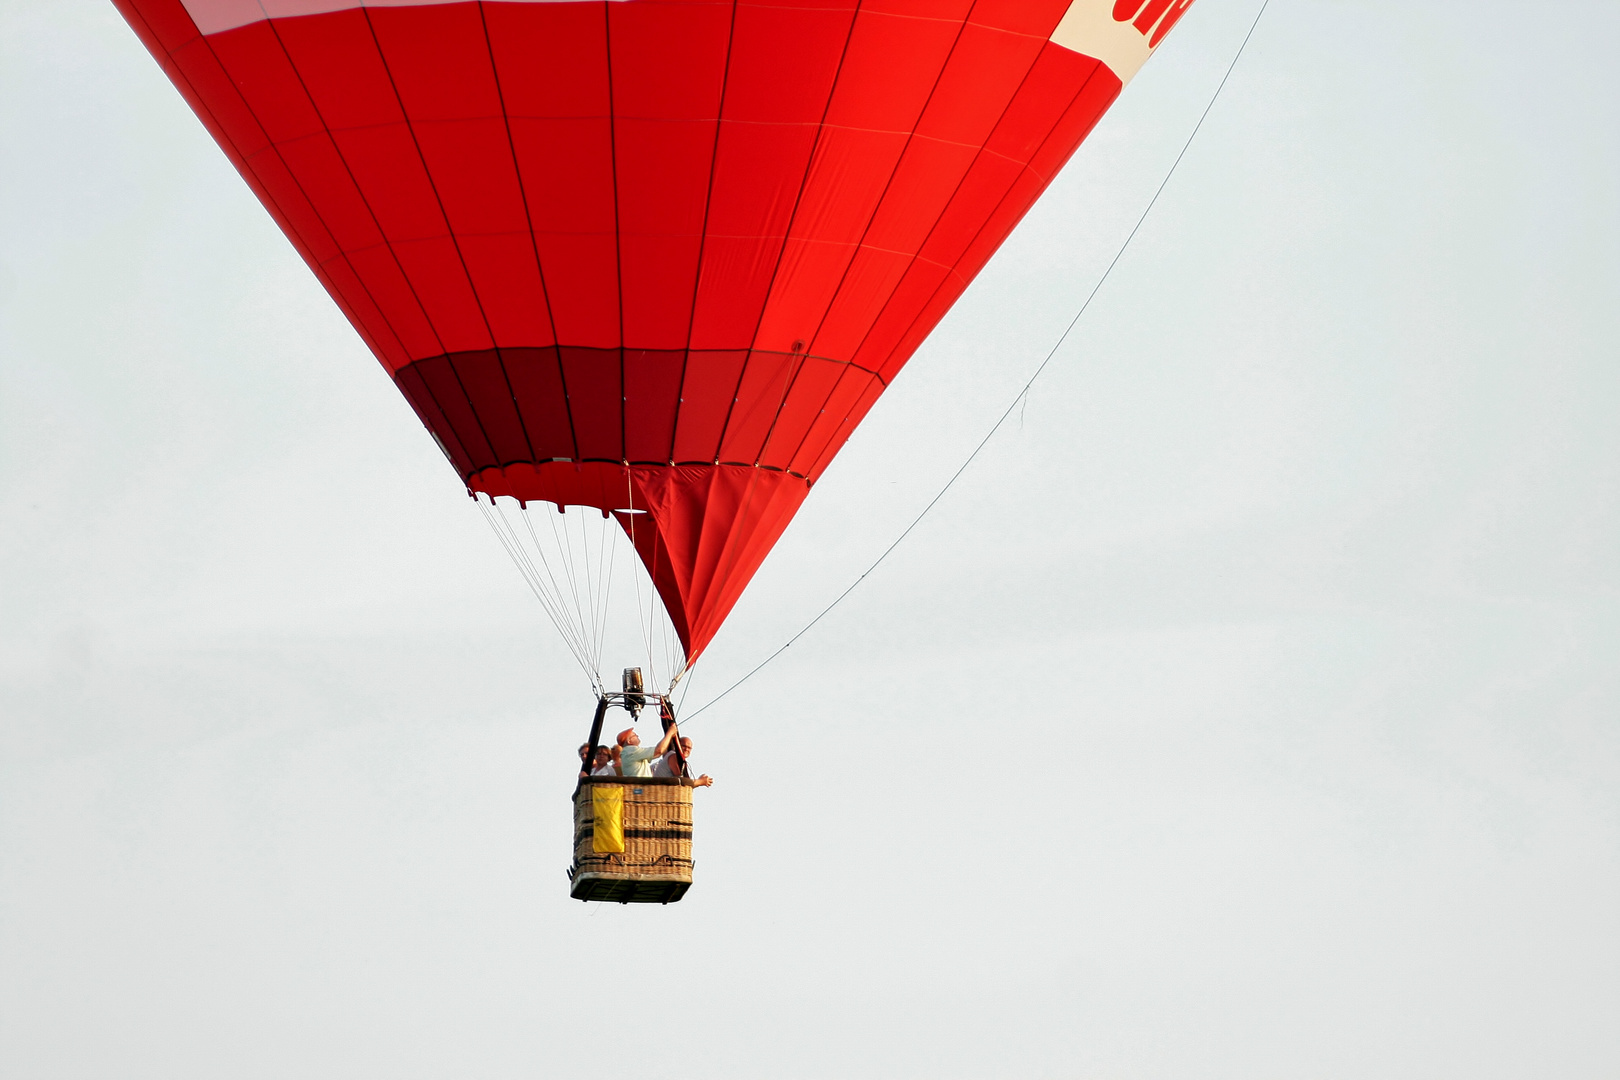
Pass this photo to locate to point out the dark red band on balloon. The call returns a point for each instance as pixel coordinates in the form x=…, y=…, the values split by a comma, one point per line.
x=494, y=408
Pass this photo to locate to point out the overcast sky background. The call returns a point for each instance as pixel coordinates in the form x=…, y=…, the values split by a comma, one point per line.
x=1249, y=709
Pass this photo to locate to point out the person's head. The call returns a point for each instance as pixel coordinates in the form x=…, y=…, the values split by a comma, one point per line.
x=602, y=757
x=628, y=737
x=686, y=746
x=584, y=748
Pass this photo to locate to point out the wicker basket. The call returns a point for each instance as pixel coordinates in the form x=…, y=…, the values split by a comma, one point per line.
x=655, y=865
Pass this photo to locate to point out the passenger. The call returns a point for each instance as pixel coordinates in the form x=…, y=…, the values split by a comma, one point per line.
x=604, y=761
x=634, y=758
x=670, y=763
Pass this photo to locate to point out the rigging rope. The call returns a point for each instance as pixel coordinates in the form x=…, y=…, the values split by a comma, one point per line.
x=571, y=571
x=551, y=601
x=1023, y=393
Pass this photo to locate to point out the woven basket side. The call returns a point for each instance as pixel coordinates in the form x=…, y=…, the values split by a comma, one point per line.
x=657, y=834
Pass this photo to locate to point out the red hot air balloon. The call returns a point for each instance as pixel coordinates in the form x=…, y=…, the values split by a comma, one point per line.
x=649, y=255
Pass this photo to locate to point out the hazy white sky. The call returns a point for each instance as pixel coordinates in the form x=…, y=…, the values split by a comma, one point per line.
x=1250, y=709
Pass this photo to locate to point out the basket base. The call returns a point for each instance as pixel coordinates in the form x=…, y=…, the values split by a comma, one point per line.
x=612, y=889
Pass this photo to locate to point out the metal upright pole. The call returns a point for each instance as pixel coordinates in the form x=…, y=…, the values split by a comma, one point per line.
x=596, y=733
x=666, y=716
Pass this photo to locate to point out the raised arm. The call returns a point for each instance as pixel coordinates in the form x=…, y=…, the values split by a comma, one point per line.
x=671, y=733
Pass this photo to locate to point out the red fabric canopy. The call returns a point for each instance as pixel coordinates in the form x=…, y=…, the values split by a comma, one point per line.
x=659, y=255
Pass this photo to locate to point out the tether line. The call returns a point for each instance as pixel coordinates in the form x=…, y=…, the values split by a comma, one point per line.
x=1023, y=393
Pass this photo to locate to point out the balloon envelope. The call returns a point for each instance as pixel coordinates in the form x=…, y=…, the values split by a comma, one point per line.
x=656, y=255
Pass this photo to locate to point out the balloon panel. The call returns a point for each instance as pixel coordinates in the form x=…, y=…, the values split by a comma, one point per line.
x=655, y=254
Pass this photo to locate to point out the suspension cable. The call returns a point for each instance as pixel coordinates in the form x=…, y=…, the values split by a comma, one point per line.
x=1023, y=393
x=571, y=571
x=550, y=604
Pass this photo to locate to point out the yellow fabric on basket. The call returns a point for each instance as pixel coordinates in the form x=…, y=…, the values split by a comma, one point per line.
x=607, y=807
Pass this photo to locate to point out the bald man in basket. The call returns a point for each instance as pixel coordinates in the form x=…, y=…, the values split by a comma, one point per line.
x=635, y=759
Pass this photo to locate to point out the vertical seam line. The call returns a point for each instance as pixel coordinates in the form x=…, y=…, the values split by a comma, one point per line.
x=787, y=232
x=454, y=243
x=703, y=234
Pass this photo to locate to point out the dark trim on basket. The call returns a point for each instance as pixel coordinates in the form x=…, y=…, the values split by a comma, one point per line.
x=681, y=831
x=658, y=834
x=652, y=781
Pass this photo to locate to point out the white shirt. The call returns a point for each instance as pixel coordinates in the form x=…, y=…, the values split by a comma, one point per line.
x=634, y=759
x=666, y=766
x=606, y=770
